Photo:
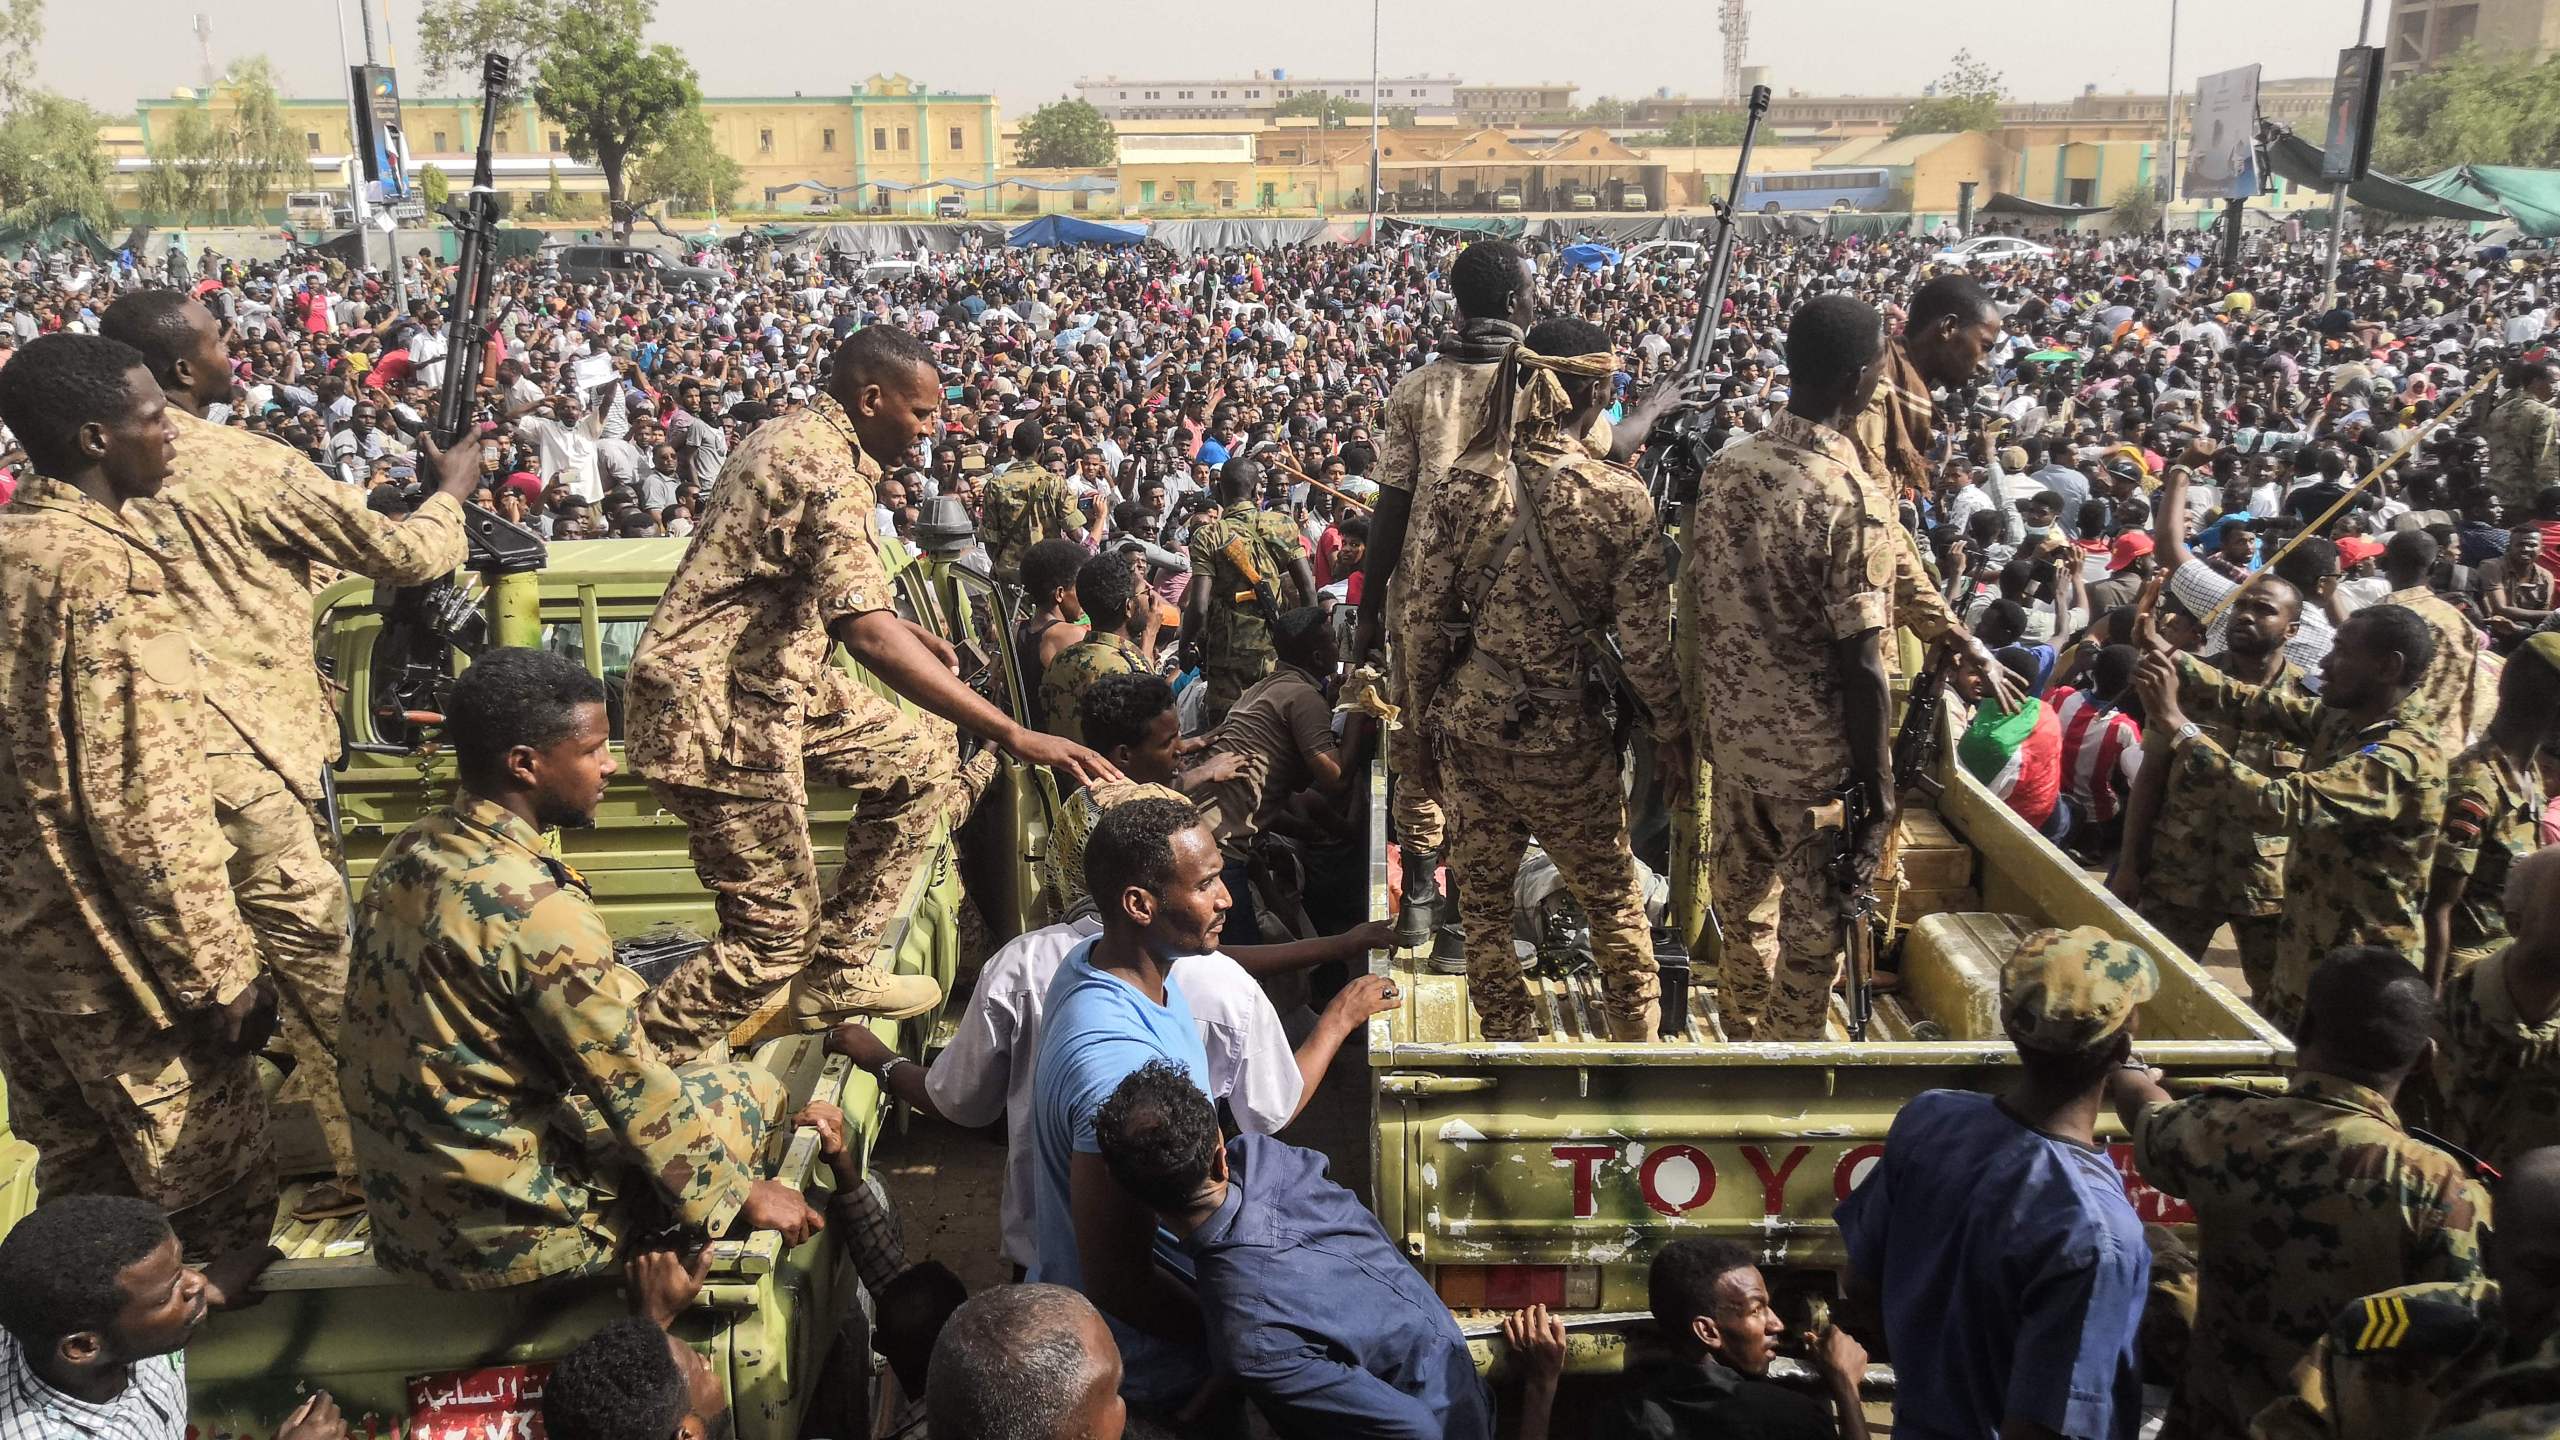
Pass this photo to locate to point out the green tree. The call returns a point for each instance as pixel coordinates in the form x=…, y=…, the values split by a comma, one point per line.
x=1704, y=127
x=1607, y=110
x=1329, y=111
x=21, y=30
x=555, y=196
x=1065, y=135
x=434, y=186
x=227, y=153
x=2473, y=111
x=614, y=100
x=1966, y=97
x=2136, y=209
x=50, y=162
x=688, y=170
x=1398, y=117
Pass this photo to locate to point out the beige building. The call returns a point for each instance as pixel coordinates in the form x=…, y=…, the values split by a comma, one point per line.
x=2422, y=34
x=1480, y=105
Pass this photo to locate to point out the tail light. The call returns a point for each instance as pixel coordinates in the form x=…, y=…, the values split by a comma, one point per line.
x=1510, y=1287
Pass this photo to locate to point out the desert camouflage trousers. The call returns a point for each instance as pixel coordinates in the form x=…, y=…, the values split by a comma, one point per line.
x=2192, y=928
x=116, y=1107
x=1781, y=915
x=1575, y=806
x=287, y=885
x=757, y=860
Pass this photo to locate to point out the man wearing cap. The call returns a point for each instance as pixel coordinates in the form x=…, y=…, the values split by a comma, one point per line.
x=2524, y=438
x=1994, y=1235
x=2307, y=1200
x=2129, y=568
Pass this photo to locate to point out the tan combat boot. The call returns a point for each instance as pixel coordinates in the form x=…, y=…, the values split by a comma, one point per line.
x=867, y=991
x=1640, y=1028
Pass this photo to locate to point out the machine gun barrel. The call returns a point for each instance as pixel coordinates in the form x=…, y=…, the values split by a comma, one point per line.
x=457, y=401
x=1720, y=270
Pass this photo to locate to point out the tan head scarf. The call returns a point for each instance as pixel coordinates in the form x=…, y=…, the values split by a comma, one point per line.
x=1523, y=408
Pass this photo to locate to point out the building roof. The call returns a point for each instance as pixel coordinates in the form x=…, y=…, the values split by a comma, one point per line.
x=1886, y=151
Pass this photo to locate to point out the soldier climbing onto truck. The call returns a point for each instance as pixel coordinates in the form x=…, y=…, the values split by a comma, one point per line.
x=484, y=997
x=733, y=703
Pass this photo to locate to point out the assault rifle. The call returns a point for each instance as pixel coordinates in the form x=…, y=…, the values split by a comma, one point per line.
x=1846, y=814
x=1678, y=452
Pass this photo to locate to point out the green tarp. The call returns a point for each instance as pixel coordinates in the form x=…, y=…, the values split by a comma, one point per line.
x=2298, y=160
x=70, y=229
x=2531, y=198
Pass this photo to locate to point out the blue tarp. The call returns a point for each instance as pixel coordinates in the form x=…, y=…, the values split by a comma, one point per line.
x=1588, y=257
x=1051, y=231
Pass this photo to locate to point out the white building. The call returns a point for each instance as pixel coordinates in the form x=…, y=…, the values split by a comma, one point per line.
x=1257, y=95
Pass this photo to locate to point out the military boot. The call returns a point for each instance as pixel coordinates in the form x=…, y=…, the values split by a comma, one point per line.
x=1638, y=1028
x=1424, y=905
x=856, y=993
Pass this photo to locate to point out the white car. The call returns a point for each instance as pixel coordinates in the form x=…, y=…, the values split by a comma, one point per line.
x=1992, y=250
x=1679, y=254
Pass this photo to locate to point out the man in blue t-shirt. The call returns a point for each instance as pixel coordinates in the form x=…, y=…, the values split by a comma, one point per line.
x=1994, y=1235
x=1153, y=868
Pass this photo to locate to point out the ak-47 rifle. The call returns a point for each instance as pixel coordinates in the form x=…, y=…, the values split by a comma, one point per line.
x=424, y=624
x=1846, y=813
x=1917, y=743
x=1239, y=553
x=1679, y=452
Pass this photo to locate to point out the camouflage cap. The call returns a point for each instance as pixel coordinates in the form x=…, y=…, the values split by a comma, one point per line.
x=2069, y=990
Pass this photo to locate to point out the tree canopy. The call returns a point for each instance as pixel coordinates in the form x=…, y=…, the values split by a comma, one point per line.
x=225, y=154
x=614, y=99
x=1328, y=110
x=2476, y=110
x=1065, y=134
x=50, y=162
x=434, y=186
x=688, y=169
x=2137, y=208
x=1966, y=97
x=454, y=34
x=1698, y=127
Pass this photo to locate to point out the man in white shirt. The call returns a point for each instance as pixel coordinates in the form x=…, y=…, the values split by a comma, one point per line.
x=568, y=446
x=987, y=1070
x=427, y=350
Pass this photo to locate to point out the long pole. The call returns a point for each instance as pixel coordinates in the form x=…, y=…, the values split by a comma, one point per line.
x=2170, y=174
x=1374, y=7
x=2338, y=195
x=355, y=168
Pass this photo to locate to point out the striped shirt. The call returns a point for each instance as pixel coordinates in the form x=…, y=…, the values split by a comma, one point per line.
x=2099, y=744
x=152, y=1406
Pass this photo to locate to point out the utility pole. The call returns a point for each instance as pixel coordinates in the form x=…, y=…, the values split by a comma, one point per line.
x=355, y=136
x=2169, y=175
x=2338, y=193
x=1374, y=176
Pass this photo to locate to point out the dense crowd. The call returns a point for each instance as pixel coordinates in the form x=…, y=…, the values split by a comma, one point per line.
x=2114, y=482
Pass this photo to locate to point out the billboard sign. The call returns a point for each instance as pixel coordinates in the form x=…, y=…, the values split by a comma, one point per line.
x=2354, y=101
x=2222, y=137
x=382, y=148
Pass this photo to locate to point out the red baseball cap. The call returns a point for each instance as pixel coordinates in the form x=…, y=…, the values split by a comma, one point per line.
x=2129, y=547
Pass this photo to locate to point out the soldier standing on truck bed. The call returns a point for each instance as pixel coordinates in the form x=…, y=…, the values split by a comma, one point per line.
x=1223, y=616
x=131, y=1007
x=1507, y=607
x=1805, y=558
x=248, y=528
x=733, y=701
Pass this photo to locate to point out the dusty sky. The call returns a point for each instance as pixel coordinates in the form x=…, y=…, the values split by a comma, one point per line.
x=110, y=52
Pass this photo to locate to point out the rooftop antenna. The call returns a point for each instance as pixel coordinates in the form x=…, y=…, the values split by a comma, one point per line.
x=1737, y=43
x=204, y=51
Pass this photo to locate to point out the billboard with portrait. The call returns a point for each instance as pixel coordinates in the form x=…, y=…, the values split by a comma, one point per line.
x=2222, y=137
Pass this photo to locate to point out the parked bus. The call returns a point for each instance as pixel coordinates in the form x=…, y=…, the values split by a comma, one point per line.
x=1816, y=190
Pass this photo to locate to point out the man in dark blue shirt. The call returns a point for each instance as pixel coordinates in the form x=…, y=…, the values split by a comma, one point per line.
x=1994, y=1234
x=1306, y=1302
x=1712, y=1313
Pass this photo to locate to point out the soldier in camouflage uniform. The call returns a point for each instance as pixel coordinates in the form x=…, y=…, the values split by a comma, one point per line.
x=2363, y=810
x=2524, y=439
x=734, y=708
x=2498, y=1066
x=2200, y=865
x=131, y=1006
x=2492, y=814
x=1222, y=621
x=2390, y=1366
x=1024, y=506
x=1523, y=744
x=1108, y=590
x=250, y=529
x=1790, y=596
x=2308, y=1200
x=484, y=1004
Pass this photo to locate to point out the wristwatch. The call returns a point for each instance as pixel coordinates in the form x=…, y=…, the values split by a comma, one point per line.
x=2186, y=732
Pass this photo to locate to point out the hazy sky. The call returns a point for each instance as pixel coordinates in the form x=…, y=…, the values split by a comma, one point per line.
x=110, y=52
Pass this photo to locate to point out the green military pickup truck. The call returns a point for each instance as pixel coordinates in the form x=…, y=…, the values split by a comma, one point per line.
x=773, y=1318
x=1550, y=1171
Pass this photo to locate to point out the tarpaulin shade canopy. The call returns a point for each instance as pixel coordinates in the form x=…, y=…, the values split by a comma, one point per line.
x=1588, y=257
x=2004, y=203
x=2298, y=160
x=1059, y=230
x=2531, y=198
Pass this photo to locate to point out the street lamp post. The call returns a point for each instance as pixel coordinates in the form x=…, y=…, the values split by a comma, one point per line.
x=1374, y=6
x=2170, y=173
x=2338, y=192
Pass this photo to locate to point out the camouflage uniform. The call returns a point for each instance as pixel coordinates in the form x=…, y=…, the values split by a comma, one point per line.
x=2524, y=451
x=483, y=1005
x=2382, y=1368
x=1800, y=558
x=2450, y=701
x=1017, y=510
x=1431, y=415
x=733, y=703
x=1063, y=684
x=2498, y=1074
x=1523, y=747
x=1884, y=470
x=2304, y=1202
x=2518, y=1401
x=2492, y=819
x=115, y=911
x=2204, y=868
x=1235, y=644
x=250, y=529
x=1082, y=811
x=2363, y=812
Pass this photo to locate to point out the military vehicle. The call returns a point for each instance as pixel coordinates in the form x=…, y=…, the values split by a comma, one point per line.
x=778, y=1323
x=1550, y=1171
